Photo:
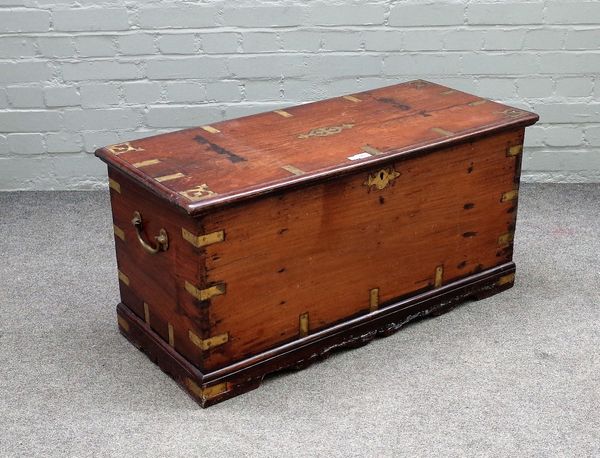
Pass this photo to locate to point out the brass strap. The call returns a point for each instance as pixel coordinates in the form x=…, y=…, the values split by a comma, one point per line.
x=439, y=276
x=374, y=299
x=207, y=344
x=207, y=293
x=202, y=240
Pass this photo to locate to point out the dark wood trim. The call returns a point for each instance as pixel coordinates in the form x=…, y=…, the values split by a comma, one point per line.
x=210, y=388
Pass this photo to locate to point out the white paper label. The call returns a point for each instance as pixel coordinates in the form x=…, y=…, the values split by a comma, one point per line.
x=362, y=155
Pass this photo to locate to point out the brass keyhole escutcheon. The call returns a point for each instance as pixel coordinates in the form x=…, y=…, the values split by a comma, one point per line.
x=382, y=178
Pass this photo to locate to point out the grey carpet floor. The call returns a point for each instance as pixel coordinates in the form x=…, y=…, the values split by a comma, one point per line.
x=514, y=375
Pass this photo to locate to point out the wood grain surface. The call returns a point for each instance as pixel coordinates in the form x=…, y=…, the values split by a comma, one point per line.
x=285, y=225
x=322, y=250
x=225, y=162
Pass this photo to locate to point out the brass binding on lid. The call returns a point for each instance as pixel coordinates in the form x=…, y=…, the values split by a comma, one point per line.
x=419, y=83
x=292, y=169
x=211, y=129
x=510, y=112
x=444, y=132
x=173, y=176
x=138, y=165
x=283, y=113
x=121, y=148
x=198, y=193
x=326, y=131
x=369, y=149
x=477, y=103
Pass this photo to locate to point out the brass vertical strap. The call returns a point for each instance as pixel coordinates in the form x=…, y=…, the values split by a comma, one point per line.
x=120, y=233
x=124, y=278
x=439, y=276
x=303, y=324
x=374, y=299
x=112, y=184
x=171, y=336
x=123, y=323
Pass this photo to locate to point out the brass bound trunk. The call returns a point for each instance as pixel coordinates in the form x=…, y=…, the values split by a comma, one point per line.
x=260, y=243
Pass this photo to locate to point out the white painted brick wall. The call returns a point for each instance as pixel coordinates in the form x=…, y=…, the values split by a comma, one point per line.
x=75, y=75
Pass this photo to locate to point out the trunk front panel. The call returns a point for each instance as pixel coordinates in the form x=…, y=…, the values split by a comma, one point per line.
x=305, y=259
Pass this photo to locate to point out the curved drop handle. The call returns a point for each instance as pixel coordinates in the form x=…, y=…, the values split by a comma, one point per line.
x=162, y=240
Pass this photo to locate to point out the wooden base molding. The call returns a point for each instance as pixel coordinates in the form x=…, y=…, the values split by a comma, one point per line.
x=242, y=376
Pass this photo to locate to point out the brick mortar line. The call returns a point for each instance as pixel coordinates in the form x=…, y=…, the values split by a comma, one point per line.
x=533, y=27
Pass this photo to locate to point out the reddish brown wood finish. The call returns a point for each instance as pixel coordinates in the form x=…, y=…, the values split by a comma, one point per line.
x=321, y=250
x=246, y=156
x=158, y=280
x=425, y=219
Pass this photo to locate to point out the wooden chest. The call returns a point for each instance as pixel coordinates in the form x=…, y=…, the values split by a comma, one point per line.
x=261, y=243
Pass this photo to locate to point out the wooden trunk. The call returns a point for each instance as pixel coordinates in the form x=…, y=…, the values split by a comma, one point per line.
x=261, y=243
